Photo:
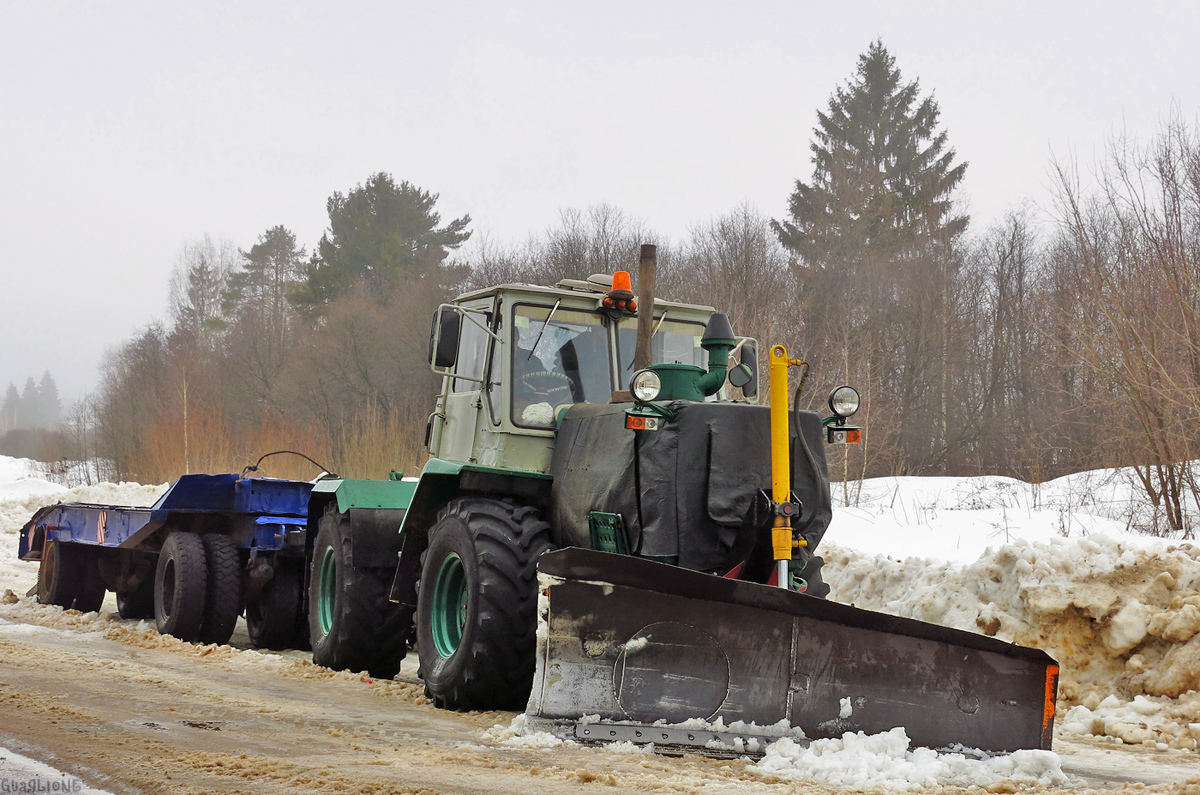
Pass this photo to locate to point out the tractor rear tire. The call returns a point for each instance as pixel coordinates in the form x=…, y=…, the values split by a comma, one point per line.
x=138, y=603
x=351, y=622
x=271, y=617
x=58, y=575
x=89, y=596
x=180, y=585
x=223, y=597
x=477, y=604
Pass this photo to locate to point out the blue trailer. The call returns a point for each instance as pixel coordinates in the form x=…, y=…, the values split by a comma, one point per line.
x=210, y=547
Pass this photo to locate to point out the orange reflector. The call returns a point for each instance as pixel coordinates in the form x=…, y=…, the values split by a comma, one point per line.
x=853, y=437
x=622, y=281
x=1048, y=705
x=636, y=422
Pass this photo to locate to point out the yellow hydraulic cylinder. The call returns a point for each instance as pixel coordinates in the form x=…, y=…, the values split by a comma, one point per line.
x=781, y=465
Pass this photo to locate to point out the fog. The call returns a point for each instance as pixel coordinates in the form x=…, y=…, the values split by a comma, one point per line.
x=128, y=129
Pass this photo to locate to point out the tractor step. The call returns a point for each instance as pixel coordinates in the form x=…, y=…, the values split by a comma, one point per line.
x=623, y=640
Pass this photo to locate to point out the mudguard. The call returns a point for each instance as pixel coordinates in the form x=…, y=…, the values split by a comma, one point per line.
x=637, y=642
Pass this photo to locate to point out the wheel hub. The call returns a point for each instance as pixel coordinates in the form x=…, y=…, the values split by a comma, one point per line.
x=449, y=614
x=326, y=591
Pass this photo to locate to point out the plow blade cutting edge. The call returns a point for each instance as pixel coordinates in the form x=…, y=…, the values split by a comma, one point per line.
x=645, y=645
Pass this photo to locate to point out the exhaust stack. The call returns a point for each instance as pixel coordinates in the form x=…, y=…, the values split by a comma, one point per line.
x=647, y=276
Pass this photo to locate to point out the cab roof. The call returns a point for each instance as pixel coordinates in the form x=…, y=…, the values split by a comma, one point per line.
x=595, y=287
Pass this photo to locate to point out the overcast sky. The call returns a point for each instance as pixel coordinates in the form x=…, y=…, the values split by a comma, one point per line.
x=128, y=129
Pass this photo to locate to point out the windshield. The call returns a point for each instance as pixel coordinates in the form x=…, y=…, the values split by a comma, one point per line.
x=675, y=342
x=556, y=364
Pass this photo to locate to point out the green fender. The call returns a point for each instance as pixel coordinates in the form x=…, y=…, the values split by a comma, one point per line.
x=442, y=481
x=376, y=509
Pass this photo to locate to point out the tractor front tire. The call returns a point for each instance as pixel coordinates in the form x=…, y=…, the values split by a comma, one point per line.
x=271, y=617
x=351, y=623
x=180, y=586
x=223, y=595
x=477, y=603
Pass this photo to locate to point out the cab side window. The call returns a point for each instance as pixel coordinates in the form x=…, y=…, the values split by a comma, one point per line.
x=472, y=352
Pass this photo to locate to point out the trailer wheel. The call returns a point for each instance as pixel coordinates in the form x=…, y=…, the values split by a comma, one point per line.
x=180, y=583
x=351, y=623
x=58, y=576
x=223, y=596
x=89, y=596
x=138, y=603
x=477, y=603
x=271, y=618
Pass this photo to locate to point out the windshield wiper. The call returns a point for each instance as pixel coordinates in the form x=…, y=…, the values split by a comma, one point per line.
x=549, y=317
x=653, y=334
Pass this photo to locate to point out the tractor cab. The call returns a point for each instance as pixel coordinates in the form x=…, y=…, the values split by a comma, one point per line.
x=513, y=357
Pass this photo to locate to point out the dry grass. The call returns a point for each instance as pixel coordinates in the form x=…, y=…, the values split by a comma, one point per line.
x=367, y=444
x=208, y=442
x=377, y=441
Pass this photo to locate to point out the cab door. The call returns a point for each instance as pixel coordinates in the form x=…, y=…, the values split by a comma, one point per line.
x=462, y=401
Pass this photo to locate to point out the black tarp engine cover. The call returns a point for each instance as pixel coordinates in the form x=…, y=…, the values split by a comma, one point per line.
x=691, y=493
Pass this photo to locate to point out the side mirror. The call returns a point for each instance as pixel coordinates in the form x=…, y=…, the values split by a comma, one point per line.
x=741, y=375
x=749, y=360
x=443, y=338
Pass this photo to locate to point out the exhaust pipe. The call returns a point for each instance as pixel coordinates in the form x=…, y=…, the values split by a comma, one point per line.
x=647, y=276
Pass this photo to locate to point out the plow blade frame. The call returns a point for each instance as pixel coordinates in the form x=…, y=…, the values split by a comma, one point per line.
x=637, y=642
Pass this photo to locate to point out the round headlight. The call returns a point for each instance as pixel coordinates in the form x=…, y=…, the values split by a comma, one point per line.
x=843, y=401
x=645, y=385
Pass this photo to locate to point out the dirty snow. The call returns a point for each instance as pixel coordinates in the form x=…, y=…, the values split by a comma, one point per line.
x=859, y=761
x=517, y=734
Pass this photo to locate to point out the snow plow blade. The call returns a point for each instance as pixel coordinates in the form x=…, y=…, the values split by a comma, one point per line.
x=645, y=645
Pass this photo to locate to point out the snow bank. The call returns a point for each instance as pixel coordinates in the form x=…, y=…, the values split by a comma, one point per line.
x=1119, y=611
x=958, y=519
x=22, y=492
x=859, y=761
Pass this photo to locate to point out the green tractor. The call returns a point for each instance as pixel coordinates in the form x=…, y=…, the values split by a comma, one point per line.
x=612, y=445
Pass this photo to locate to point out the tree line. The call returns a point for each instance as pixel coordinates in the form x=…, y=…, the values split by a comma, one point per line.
x=1030, y=348
x=37, y=405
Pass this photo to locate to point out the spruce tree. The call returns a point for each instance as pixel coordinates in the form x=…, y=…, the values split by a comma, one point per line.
x=882, y=174
x=872, y=238
x=27, y=409
x=10, y=412
x=49, y=405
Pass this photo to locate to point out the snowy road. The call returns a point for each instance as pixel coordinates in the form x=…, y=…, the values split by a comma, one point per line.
x=126, y=710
